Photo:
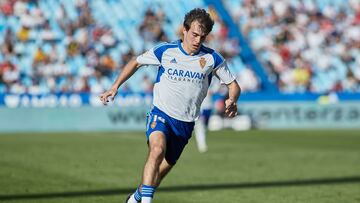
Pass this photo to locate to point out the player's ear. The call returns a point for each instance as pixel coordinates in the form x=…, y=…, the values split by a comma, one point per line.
x=184, y=31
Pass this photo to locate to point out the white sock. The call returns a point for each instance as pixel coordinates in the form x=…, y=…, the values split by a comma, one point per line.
x=132, y=199
x=146, y=199
x=200, y=135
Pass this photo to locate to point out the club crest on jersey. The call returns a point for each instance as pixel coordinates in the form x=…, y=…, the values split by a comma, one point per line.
x=202, y=62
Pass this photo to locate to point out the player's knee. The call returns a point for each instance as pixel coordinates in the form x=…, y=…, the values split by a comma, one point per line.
x=157, y=152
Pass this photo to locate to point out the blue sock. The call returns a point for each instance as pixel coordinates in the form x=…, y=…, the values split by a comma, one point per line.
x=137, y=194
x=147, y=191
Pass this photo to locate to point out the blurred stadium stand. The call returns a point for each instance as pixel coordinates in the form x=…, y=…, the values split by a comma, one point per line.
x=305, y=46
x=289, y=56
x=80, y=46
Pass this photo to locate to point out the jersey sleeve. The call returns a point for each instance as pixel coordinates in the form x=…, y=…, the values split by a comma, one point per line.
x=148, y=58
x=224, y=74
x=221, y=69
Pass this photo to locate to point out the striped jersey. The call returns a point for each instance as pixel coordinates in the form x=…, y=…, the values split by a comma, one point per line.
x=183, y=80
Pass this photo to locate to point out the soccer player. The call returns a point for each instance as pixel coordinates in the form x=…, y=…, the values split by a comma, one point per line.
x=185, y=70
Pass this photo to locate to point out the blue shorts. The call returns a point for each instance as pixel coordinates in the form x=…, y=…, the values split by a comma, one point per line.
x=177, y=133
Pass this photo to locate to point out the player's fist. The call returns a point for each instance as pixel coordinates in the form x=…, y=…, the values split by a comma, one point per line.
x=104, y=97
x=230, y=108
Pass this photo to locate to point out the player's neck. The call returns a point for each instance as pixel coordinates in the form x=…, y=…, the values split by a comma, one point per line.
x=187, y=50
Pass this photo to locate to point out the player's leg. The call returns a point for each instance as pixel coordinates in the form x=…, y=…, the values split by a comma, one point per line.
x=200, y=135
x=135, y=197
x=151, y=174
x=200, y=129
x=160, y=133
x=157, y=147
x=155, y=133
x=174, y=146
x=165, y=168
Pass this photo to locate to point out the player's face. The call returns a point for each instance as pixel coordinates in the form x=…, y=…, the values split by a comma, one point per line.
x=193, y=38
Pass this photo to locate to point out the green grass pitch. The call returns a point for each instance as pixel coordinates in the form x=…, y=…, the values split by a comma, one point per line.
x=319, y=166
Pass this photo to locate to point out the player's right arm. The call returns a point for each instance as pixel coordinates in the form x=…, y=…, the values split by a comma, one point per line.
x=147, y=58
x=130, y=68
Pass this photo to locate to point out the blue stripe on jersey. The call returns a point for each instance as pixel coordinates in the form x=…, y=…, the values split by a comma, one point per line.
x=178, y=42
x=183, y=51
x=206, y=50
x=159, y=50
x=160, y=72
x=181, y=48
x=218, y=59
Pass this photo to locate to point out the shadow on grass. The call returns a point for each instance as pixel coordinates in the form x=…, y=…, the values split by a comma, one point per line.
x=185, y=188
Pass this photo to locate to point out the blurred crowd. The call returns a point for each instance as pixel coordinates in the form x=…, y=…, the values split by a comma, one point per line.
x=52, y=54
x=44, y=49
x=305, y=45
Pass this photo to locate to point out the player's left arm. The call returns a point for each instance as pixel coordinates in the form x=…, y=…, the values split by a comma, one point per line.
x=231, y=102
x=224, y=74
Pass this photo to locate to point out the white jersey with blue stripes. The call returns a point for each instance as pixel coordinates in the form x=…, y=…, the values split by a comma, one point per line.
x=183, y=80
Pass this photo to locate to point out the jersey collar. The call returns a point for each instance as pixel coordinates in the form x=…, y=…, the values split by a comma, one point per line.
x=184, y=52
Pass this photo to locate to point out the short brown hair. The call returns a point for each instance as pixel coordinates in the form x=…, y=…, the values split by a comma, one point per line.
x=200, y=15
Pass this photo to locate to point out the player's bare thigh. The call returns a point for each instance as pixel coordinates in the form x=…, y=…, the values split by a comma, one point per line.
x=157, y=139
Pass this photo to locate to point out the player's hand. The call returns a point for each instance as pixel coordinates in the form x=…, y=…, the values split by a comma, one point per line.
x=104, y=97
x=230, y=108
